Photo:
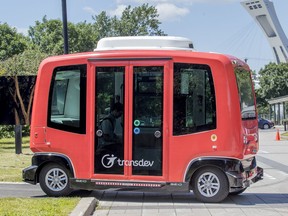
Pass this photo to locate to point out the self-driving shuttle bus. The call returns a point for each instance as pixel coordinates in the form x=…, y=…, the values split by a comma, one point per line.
x=144, y=112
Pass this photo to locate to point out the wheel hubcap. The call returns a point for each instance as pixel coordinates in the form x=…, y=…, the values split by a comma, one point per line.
x=56, y=179
x=208, y=184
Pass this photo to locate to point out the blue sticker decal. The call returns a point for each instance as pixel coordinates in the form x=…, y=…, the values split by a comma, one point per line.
x=136, y=130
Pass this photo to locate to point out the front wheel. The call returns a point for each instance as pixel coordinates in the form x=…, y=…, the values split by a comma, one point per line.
x=54, y=180
x=210, y=185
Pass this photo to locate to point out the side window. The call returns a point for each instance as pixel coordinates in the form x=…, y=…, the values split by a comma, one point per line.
x=194, y=99
x=67, y=99
x=246, y=95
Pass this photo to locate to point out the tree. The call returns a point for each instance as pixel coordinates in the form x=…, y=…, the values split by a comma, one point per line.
x=273, y=80
x=24, y=64
x=140, y=20
x=86, y=38
x=48, y=36
x=83, y=36
x=103, y=25
x=136, y=21
x=11, y=42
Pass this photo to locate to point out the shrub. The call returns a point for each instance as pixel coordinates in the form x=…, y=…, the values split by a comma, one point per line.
x=7, y=131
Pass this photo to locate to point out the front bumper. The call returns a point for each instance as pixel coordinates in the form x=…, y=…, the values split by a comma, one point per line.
x=29, y=174
x=248, y=174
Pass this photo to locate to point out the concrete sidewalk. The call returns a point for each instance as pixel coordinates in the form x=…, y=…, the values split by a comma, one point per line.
x=85, y=207
x=174, y=204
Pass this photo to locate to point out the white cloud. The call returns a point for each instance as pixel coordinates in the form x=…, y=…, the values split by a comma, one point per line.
x=118, y=11
x=90, y=10
x=168, y=11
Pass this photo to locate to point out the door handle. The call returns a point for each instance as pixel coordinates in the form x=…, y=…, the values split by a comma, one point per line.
x=157, y=134
x=99, y=133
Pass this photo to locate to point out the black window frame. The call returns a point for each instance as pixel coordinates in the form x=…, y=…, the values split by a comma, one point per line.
x=200, y=128
x=81, y=129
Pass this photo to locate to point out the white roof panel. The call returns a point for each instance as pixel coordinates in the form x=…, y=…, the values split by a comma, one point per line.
x=145, y=42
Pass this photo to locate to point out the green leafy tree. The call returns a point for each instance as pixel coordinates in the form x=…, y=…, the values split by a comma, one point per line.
x=273, y=80
x=11, y=42
x=273, y=83
x=11, y=45
x=48, y=35
x=85, y=40
x=138, y=21
x=23, y=64
x=104, y=25
x=83, y=36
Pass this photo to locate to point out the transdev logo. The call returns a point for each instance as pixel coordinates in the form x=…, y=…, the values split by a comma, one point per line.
x=109, y=160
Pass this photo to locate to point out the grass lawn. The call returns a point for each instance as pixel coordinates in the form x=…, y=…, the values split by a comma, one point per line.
x=11, y=166
x=285, y=135
x=37, y=206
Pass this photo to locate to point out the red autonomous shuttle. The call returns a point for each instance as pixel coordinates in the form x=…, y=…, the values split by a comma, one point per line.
x=144, y=112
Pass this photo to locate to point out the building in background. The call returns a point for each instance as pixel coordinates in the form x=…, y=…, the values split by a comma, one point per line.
x=278, y=109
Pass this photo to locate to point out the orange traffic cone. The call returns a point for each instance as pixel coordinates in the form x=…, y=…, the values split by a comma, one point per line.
x=277, y=135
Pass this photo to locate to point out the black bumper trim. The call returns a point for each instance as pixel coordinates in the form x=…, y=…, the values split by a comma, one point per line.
x=242, y=180
x=29, y=174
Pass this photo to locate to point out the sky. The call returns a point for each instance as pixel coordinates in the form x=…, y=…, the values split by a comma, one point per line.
x=222, y=26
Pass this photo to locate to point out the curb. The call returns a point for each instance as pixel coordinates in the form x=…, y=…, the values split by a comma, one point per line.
x=16, y=183
x=85, y=207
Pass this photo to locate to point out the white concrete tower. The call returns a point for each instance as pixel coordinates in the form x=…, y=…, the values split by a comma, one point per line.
x=264, y=14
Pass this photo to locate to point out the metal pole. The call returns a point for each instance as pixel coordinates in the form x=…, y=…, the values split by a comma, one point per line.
x=18, y=139
x=65, y=29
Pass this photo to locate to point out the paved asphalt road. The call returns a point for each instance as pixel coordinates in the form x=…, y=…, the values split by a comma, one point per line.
x=20, y=190
x=267, y=197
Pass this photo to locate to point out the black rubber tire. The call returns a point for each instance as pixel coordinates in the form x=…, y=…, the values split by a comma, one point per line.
x=210, y=185
x=54, y=180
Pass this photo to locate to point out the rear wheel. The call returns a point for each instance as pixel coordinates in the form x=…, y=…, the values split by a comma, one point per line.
x=54, y=180
x=210, y=185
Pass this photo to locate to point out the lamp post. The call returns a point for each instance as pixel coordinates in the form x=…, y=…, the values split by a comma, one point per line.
x=65, y=29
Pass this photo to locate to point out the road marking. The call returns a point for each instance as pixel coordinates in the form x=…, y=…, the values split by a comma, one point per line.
x=263, y=152
x=269, y=176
